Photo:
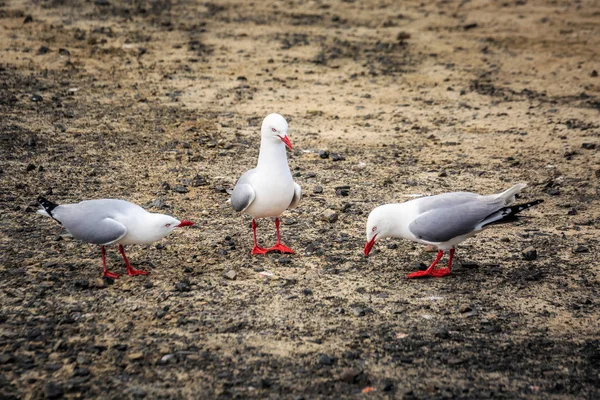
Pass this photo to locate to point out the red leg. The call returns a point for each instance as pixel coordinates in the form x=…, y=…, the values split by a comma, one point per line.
x=256, y=249
x=280, y=247
x=428, y=271
x=106, y=273
x=438, y=273
x=130, y=270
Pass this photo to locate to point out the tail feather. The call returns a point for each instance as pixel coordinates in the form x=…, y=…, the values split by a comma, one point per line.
x=48, y=207
x=508, y=214
x=509, y=195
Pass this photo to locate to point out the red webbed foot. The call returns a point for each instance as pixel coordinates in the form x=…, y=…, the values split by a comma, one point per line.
x=258, y=250
x=135, y=272
x=438, y=273
x=111, y=275
x=419, y=274
x=281, y=248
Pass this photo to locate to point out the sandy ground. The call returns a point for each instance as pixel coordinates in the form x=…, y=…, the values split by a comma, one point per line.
x=160, y=103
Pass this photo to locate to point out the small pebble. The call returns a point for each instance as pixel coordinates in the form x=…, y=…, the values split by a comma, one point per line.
x=530, y=253
x=329, y=216
x=349, y=375
x=231, y=274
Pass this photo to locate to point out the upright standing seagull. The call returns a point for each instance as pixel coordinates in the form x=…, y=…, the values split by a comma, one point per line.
x=444, y=221
x=109, y=221
x=269, y=189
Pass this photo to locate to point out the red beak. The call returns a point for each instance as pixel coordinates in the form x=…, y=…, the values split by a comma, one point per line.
x=369, y=245
x=184, y=223
x=286, y=140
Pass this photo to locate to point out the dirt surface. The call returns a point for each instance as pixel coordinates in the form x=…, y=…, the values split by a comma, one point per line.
x=160, y=103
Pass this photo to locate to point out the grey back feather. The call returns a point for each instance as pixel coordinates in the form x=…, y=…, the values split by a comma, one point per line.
x=92, y=220
x=454, y=218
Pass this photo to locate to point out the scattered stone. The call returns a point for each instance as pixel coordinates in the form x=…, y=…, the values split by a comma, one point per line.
x=455, y=361
x=342, y=191
x=360, y=311
x=392, y=246
x=36, y=98
x=183, y=286
x=470, y=265
x=387, y=385
x=138, y=393
x=43, y=50
x=465, y=309
x=6, y=358
x=180, y=189
x=597, y=173
x=349, y=375
x=148, y=285
x=53, y=390
x=64, y=52
x=581, y=249
x=30, y=167
x=594, y=74
x=588, y=146
x=99, y=283
x=158, y=203
x=530, y=253
x=319, y=189
x=28, y=19
x=199, y=180
x=231, y=274
x=168, y=359
x=307, y=292
x=337, y=157
x=323, y=154
x=572, y=211
x=324, y=359
x=135, y=356
x=402, y=36
x=442, y=334
x=81, y=371
x=443, y=174
x=82, y=283
x=82, y=360
x=329, y=216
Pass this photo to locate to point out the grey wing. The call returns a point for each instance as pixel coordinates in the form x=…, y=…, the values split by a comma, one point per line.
x=297, y=196
x=443, y=224
x=243, y=193
x=445, y=200
x=104, y=231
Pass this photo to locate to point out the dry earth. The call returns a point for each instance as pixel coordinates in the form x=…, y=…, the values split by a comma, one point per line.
x=160, y=102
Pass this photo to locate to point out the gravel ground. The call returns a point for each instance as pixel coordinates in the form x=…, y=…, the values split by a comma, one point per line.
x=160, y=103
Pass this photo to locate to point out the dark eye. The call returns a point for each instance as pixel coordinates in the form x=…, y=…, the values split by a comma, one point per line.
x=168, y=225
x=274, y=130
x=374, y=229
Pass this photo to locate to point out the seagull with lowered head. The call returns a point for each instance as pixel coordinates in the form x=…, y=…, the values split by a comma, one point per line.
x=109, y=221
x=444, y=221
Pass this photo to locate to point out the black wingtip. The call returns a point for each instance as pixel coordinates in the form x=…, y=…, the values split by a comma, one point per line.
x=47, y=204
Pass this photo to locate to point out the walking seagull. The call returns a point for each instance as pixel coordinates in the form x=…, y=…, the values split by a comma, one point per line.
x=109, y=221
x=444, y=221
